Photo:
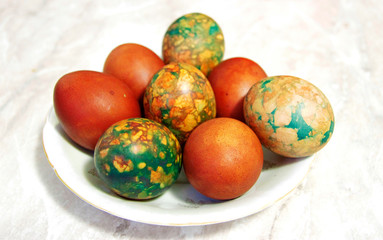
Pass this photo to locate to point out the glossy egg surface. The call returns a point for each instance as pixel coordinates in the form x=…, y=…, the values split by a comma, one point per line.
x=138, y=158
x=180, y=97
x=291, y=116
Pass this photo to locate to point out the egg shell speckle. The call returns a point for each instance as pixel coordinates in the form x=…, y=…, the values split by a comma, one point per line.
x=180, y=97
x=195, y=39
x=138, y=158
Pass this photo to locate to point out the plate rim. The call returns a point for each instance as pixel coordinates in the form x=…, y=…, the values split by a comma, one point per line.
x=314, y=157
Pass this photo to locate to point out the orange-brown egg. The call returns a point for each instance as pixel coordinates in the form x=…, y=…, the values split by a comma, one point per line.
x=223, y=158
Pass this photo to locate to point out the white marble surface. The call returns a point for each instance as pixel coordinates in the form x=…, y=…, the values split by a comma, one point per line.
x=336, y=44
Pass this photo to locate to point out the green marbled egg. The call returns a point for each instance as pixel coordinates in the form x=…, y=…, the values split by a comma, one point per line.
x=195, y=39
x=138, y=158
x=291, y=116
x=180, y=97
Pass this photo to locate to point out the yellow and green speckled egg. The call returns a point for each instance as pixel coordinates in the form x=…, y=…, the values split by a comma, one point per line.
x=195, y=39
x=291, y=116
x=180, y=97
x=138, y=158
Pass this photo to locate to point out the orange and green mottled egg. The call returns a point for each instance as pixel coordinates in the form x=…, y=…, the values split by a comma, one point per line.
x=291, y=116
x=180, y=97
x=138, y=158
x=195, y=39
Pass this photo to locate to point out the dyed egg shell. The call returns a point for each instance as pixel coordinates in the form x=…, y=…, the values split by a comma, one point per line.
x=180, y=97
x=291, y=116
x=231, y=80
x=222, y=158
x=195, y=39
x=138, y=158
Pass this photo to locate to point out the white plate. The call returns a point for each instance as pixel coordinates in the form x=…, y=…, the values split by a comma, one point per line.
x=181, y=205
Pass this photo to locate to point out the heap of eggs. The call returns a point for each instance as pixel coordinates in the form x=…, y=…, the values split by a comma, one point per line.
x=146, y=117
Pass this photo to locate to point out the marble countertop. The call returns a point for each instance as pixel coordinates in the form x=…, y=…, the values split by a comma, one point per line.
x=337, y=45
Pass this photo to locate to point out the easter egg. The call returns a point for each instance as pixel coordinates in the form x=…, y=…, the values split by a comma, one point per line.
x=195, y=39
x=134, y=64
x=138, y=158
x=223, y=158
x=291, y=116
x=231, y=80
x=88, y=102
x=180, y=97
